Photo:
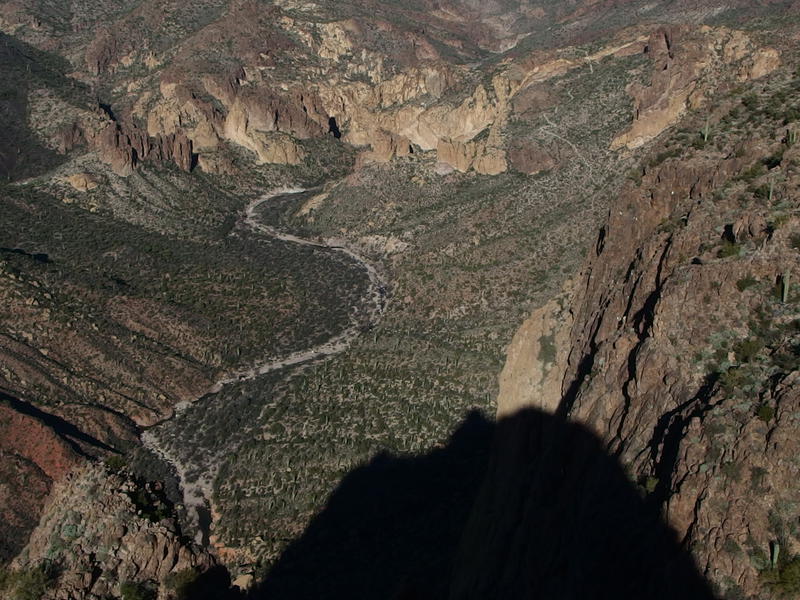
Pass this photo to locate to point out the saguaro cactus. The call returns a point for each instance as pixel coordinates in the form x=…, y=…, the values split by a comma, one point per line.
x=785, y=288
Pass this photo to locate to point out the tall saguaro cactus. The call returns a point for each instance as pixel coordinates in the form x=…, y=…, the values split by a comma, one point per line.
x=785, y=288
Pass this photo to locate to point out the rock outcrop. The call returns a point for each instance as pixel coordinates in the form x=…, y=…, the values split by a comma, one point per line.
x=530, y=158
x=124, y=146
x=101, y=529
x=530, y=377
x=81, y=182
x=688, y=65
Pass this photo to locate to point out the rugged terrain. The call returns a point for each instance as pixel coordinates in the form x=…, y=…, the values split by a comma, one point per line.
x=674, y=352
x=464, y=155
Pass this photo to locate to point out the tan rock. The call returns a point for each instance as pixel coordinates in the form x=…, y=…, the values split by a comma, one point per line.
x=387, y=146
x=534, y=370
x=335, y=40
x=243, y=582
x=82, y=182
x=463, y=156
x=685, y=73
x=459, y=155
x=765, y=62
x=216, y=163
x=492, y=161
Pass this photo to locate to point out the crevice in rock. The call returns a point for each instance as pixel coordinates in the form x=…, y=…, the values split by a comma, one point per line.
x=106, y=108
x=642, y=323
x=601, y=242
x=585, y=366
x=669, y=432
x=333, y=128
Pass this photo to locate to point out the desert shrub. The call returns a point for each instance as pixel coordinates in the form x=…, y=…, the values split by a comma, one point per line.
x=133, y=590
x=662, y=156
x=750, y=101
x=734, y=379
x=182, y=583
x=747, y=350
x=547, y=349
x=698, y=143
x=765, y=412
x=745, y=283
x=753, y=172
x=27, y=584
x=762, y=192
x=773, y=161
x=784, y=581
x=729, y=249
x=116, y=463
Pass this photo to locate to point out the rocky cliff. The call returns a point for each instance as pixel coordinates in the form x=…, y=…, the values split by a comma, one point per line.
x=107, y=532
x=675, y=356
x=272, y=78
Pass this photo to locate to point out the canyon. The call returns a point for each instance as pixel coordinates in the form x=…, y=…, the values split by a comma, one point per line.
x=510, y=284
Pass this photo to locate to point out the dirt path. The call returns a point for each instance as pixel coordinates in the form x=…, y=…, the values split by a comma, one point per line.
x=197, y=494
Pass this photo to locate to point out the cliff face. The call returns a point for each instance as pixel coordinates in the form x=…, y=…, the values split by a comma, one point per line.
x=33, y=457
x=677, y=355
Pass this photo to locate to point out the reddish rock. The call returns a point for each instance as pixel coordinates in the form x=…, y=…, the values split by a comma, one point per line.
x=124, y=146
x=30, y=438
x=69, y=138
x=33, y=457
x=530, y=158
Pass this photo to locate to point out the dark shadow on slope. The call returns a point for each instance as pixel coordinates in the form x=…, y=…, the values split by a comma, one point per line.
x=65, y=429
x=391, y=528
x=555, y=518
x=26, y=70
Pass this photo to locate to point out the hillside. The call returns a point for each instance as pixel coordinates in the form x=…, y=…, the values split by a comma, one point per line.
x=674, y=355
x=262, y=263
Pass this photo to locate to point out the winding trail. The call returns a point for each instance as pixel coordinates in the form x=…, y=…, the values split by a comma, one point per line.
x=197, y=494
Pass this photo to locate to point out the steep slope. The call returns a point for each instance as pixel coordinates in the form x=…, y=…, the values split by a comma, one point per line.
x=105, y=533
x=676, y=349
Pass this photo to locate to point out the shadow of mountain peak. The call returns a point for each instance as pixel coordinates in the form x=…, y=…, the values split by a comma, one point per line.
x=391, y=525
x=529, y=507
x=558, y=518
